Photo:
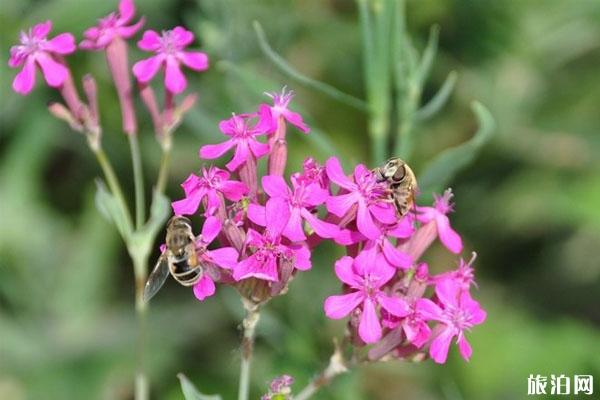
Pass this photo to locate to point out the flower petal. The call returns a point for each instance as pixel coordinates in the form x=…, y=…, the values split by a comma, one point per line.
x=369, y=328
x=384, y=212
x=301, y=256
x=127, y=32
x=345, y=272
x=275, y=186
x=277, y=215
x=41, y=30
x=296, y=120
x=24, y=80
x=266, y=269
x=225, y=257
x=150, y=41
x=464, y=348
x=324, y=229
x=239, y=156
x=54, y=72
x=61, y=44
x=233, y=190
x=340, y=205
x=210, y=229
x=293, y=230
x=394, y=305
x=187, y=206
x=258, y=149
x=144, y=70
x=339, y=306
x=126, y=10
x=211, y=151
x=181, y=36
x=429, y=310
x=440, y=346
x=256, y=214
x=195, y=60
x=396, y=257
x=175, y=80
x=365, y=223
x=447, y=291
x=447, y=235
x=204, y=288
x=336, y=174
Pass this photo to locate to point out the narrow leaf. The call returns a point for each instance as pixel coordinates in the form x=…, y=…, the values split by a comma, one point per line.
x=428, y=55
x=448, y=163
x=303, y=79
x=191, y=393
x=438, y=101
x=109, y=207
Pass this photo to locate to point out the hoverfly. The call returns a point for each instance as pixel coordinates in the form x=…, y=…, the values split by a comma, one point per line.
x=179, y=258
x=401, y=181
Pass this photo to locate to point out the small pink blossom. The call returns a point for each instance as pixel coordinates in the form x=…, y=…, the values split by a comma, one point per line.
x=169, y=48
x=366, y=192
x=365, y=277
x=268, y=248
x=313, y=172
x=457, y=312
x=464, y=275
x=301, y=199
x=438, y=214
x=114, y=25
x=414, y=324
x=34, y=49
x=224, y=257
x=242, y=137
x=212, y=183
x=271, y=115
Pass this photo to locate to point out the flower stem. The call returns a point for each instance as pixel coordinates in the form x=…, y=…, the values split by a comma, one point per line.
x=336, y=367
x=140, y=269
x=138, y=180
x=163, y=172
x=249, y=324
x=112, y=180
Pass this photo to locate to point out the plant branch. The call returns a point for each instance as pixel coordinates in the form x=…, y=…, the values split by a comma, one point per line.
x=337, y=366
x=138, y=180
x=249, y=325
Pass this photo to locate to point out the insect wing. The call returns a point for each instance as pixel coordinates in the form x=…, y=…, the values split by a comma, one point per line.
x=157, y=277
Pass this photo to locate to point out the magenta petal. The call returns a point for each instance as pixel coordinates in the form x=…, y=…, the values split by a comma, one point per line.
x=61, y=44
x=211, y=151
x=384, y=213
x=440, y=346
x=394, y=305
x=204, y=288
x=24, y=80
x=182, y=37
x=174, y=79
x=225, y=257
x=339, y=205
x=127, y=32
x=195, y=60
x=150, y=41
x=266, y=269
x=293, y=229
x=337, y=175
x=277, y=215
x=301, y=257
x=187, y=206
x=396, y=257
x=447, y=291
x=275, y=186
x=347, y=237
x=54, y=72
x=323, y=229
x=345, y=272
x=256, y=214
x=429, y=310
x=296, y=120
x=239, y=156
x=338, y=307
x=191, y=184
x=144, y=70
x=41, y=30
x=233, y=190
x=258, y=149
x=266, y=122
x=315, y=195
x=465, y=348
x=404, y=229
x=126, y=10
x=365, y=222
x=369, y=328
x=447, y=235
x=210, y=230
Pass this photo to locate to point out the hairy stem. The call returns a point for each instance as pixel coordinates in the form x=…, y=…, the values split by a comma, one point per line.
x=138, y=180
x=141, y=380
x=336, y=367
x=249, y=325
x=112, y=180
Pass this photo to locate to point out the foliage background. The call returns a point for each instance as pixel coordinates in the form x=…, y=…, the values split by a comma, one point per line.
x=528, y=205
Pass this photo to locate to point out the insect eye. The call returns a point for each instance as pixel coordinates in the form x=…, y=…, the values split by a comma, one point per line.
x=400, y=173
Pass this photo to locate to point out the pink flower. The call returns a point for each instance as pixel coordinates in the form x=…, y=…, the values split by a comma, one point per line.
x=114, y=25
x=301, y=199
x=269, y=250
x=364, y=191
x=169, y=48
x=36, y=49
x=213, y=183
x=414, y=324
x=313, y=172
x=224, y=257
x=464, y=275
x=457, y=312
x=438, y=214
x=243, y=137
x=271, y=115
x=365, y=278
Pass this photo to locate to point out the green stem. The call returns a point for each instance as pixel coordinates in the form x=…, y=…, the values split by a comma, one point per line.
x=112, y=180
x=249, y=324
x=138, y=180
x=141, y=380
x=336, y=367
x=163, y=172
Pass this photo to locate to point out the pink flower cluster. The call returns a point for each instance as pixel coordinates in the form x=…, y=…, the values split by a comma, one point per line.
x=111, y=33
x=273, y=224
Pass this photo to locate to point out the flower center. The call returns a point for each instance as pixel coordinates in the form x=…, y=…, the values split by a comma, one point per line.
x=168, y=43
x=30, y=44
x=458, y=318
x=108, y=22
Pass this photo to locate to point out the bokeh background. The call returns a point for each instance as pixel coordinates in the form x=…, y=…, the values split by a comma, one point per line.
x=529, y=204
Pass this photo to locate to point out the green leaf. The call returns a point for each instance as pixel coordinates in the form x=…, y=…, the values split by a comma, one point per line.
x=109, y=207
x=143, y=239
x=438, y=100
x=448, y=163
x=290, y=71
x=191, y=393
x=428, y=55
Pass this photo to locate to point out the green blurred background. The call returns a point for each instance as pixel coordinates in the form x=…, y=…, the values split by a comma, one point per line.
x=529, y=205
